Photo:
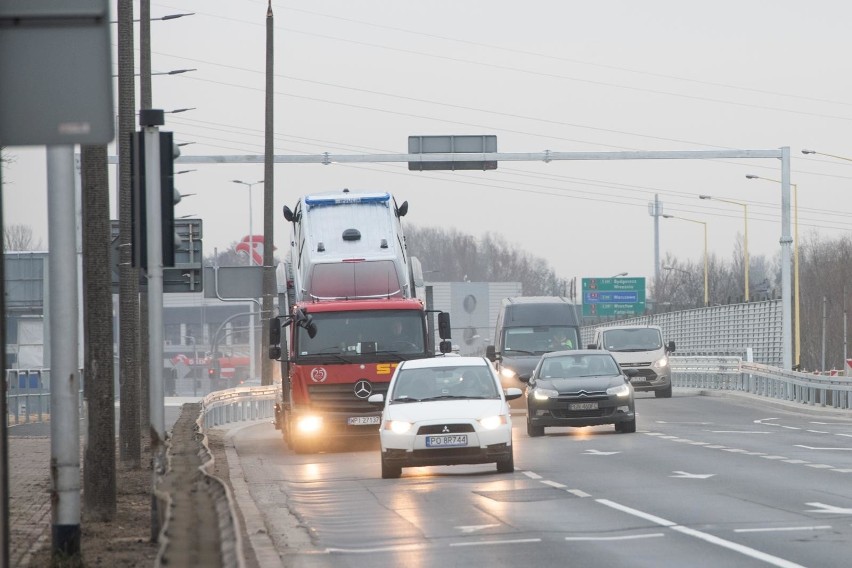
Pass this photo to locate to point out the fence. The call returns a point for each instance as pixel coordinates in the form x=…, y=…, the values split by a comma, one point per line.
x=733, y=374
x=27, y=395
x=239, y=404
x=718, y=330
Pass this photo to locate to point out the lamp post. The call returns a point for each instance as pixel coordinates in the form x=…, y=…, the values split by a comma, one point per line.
x=251, y=263
x=669, y=269
x=797, y=340
x=706, y=288
x=745, y=236
x=619, y=275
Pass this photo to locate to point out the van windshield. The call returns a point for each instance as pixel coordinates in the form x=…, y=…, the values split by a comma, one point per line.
x=639, y=339
x=540, y=339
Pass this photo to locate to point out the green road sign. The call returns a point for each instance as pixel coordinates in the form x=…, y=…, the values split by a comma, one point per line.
x=613, y=296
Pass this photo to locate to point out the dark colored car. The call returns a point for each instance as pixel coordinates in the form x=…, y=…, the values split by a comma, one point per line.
x=579, y=388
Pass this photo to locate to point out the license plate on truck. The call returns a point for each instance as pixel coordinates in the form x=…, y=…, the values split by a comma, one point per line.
x=446, y=441
x=364, y=420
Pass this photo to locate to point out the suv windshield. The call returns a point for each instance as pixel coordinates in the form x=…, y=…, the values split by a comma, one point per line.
x=639, y=339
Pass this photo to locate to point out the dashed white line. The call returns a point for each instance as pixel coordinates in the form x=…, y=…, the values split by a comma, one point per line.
x=554, y=484
x=532, y=475
x=819, y=466
x=782, y=529
x=490, y=542
x=816, y=431
x=775, y=457
x=625, y=537
x=578, y=493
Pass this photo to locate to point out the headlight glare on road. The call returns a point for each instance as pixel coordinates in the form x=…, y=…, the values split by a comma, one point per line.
x=544, y=394
x=492, y=422
x=309, y=424
x=397, y=426
x=507, y=373
x=620, y=391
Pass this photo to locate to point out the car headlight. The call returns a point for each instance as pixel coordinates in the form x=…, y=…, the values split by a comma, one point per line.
x=492, y=422
x=543, y=394
x=508, y=373
x=397, y=426
x=620, y=391
x=662, y=362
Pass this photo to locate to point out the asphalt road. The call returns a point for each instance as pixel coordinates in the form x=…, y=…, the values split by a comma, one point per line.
x=704, y=482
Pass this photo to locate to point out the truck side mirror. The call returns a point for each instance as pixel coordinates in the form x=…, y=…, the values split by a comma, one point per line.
x=444, y=331
x=671, y=347
x=288, y=214
x=446, y=346
x=275, y=338
x=490, y=353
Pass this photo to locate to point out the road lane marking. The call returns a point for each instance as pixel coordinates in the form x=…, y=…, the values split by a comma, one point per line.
x=744, y=550
x=775, y=457
x=474, y=528
x=397, y=548
x=599, y=453
x=819, y=466
x=532, y=475
x=553, y=484
x=685, y=475
x=625, y=537
x=823, y=508
x=739, y=432
x=782, y=529
x=825, y=449
x=489, y=542
x=817, y=431
x=578, y=493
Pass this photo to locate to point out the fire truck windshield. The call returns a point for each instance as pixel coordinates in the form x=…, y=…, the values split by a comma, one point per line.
x=364, y=333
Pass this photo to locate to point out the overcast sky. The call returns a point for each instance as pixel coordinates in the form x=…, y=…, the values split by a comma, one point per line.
x=564, y=75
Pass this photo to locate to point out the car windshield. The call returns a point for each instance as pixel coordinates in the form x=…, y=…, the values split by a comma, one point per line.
x=441, y=383
x=639, y=339
x=540, y=339
x=576, y=366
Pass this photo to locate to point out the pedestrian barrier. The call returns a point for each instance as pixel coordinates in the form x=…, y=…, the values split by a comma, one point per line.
x=27, y=395
x=734, y=374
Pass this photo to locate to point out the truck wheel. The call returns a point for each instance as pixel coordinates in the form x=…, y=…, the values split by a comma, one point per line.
x=507, y=465
x=390, y=471
x=665, y=393
x=302, y=446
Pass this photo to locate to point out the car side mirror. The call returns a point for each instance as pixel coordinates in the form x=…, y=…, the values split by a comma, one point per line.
x=512, y=393
x=490, y=353
x=377, y=399
x=524, y=378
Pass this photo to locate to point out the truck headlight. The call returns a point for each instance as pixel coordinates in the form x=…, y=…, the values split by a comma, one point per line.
x=309, y=424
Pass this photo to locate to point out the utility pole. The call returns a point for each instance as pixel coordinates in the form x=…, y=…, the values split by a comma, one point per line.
x=268, y=203
x=655, y=210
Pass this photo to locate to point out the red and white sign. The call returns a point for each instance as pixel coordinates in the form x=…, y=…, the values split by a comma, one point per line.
x=251, y=245
x=318, y=375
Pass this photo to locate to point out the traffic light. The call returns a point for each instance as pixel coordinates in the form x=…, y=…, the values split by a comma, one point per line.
x=168, y=197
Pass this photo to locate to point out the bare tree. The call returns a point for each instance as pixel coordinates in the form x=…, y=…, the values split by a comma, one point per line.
x=19, y=238
x=99, y=482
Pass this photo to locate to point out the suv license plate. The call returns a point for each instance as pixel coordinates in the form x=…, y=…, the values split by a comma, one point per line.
x=364, y=420
x=444, y=441
x=583, y=406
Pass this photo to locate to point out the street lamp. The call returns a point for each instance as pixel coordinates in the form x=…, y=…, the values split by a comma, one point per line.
x=797, y=341
x=251, y=263
x=706, y=288
x=745, y=235
x=824, y=154
x=619, y=275
x=251, y=228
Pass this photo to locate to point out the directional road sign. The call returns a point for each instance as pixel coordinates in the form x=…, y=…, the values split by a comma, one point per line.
x=613, y=296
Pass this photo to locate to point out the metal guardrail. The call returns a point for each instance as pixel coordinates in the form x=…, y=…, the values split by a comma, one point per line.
x=238, y=404
x=734, y=374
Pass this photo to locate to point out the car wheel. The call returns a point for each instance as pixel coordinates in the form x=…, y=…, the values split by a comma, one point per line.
x=390, y=471
x=626, y=427
x=665, y=393
x=507, y=465
x=534, y=431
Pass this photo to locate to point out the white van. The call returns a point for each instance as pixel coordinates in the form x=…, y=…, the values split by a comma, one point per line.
x=640, y=347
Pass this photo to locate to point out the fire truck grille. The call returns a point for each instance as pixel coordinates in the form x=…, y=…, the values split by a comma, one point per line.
x=341, y=398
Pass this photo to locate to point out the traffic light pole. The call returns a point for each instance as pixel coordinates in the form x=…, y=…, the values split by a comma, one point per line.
x=150, y=121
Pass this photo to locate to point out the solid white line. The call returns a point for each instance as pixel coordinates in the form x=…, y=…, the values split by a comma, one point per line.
x=488, y=542
x=768, y=558
x=744, y=550
x=554, y=484
x=532, y=475
x=780, y=529
x=824, y=449
x=816, y=431
x=775, y=457
x=626, y=537
x=398, y=548
x=739, y=432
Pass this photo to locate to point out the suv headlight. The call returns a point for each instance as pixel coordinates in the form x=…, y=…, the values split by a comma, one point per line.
x=544, y=394
x=620, y=391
